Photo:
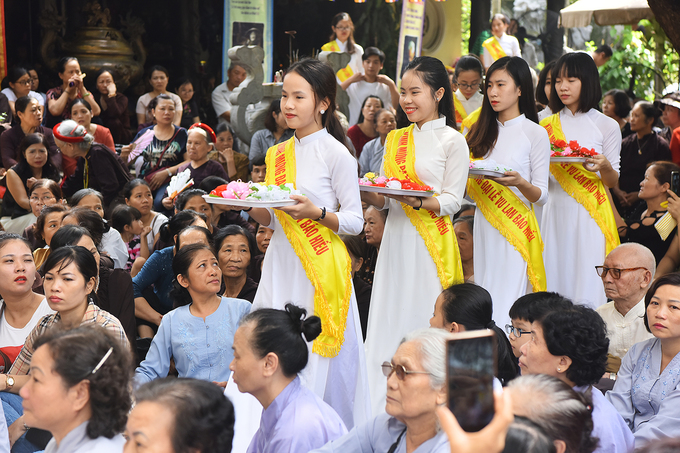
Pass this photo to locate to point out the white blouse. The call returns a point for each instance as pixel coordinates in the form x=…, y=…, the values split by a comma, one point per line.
x=509, y=44
x=472, y=104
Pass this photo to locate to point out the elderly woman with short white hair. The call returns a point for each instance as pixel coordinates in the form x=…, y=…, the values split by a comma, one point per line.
x=99, y=168
x=416, y=386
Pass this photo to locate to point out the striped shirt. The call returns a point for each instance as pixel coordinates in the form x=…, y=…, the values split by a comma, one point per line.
x=93, y=315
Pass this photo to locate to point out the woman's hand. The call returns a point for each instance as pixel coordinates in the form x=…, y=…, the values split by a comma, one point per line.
x=305, y=209
x=414, y=202
x=30, y=181
x=167, y=203
x=112, y=90
x=491, y=439
x=16, y=430
x=158, y=179
x=510, y=179
x=75, y=83
x=598, y=163
x=673, y=204
x=145, y=231
x=126, y=150
x=224, y=155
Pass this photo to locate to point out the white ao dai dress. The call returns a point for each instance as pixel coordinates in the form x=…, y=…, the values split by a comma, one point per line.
x=406, y=284
x=523, y=146
x=574, y=244
x=327, y=174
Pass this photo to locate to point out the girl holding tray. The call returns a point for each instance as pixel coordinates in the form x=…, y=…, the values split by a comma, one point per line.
x=306, y=261
x=507, y=231
x=578, y=225
x=419, y=254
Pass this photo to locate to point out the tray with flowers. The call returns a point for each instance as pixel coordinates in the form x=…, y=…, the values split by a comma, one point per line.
x=480, y=169
x=393, y=186
x=561, y=151
x=253, y=195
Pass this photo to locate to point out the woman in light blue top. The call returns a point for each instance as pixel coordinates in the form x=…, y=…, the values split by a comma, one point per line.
x=269, y=352
x=647, y=388
x=199, y=333
x=371, y=158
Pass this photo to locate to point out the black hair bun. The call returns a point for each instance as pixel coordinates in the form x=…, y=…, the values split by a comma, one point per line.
x=309, y=326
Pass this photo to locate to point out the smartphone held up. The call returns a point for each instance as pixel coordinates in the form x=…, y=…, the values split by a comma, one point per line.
x=471, y=364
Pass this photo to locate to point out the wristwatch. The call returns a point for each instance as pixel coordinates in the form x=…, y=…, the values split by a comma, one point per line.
x=9, y=383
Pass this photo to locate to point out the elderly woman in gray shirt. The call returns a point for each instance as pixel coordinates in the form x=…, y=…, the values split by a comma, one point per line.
x=371, y=159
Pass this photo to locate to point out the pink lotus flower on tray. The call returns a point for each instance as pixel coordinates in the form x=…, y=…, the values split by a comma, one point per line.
x=237, y=190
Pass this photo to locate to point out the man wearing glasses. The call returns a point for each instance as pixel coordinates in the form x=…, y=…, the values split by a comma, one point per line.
x=626, y=275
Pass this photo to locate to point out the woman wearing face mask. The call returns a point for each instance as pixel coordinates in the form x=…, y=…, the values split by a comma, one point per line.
x=34, y=164
x=113, y=105
x=371, y=159
x=507, y=132
x=500, y=44
x=81, y=113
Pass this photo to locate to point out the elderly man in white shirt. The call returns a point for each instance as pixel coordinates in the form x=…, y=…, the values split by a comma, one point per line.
x=220, y=95
x=626, y=275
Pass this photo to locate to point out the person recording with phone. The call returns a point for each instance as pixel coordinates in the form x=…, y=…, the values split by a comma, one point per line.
x=571, y=345
x=416, y=387
x=645, y=226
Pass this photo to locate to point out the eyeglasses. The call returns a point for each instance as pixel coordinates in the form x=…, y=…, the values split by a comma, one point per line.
x=389, y=368
x=24, y=82
x=343, y=28
x=43, y=199
x=516, y=331
x=474, y=86
x=616, y=273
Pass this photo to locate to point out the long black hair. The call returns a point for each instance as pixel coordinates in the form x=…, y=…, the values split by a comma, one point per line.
x=470, y=306
x=433, y=73
x=280, y=332
x=484, y=132
x=322, y=80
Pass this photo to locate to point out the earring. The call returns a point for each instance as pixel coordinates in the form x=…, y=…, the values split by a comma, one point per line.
x=322, y=112
x=559, y=370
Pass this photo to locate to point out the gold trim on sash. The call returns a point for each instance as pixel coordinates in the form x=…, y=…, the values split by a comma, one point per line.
x=471, y=119
x=322, y=253
x=515, y=221
x=583, y=186
x=461, y=114
x=344, y=73
x=494, y=47
x=436, y=231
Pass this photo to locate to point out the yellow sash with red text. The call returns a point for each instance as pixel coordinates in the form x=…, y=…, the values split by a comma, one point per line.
x=494, y=47
x=436, y=231
x=323, y=255
x=461, y=114
x=344, y=73
x=583, y=186
x=471, y=119
x=515, y=221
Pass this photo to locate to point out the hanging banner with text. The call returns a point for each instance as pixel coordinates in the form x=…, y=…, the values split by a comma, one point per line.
x=249, y=23
x=410, y=34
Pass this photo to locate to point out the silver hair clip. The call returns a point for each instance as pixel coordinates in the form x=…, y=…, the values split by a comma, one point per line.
x=101, y=362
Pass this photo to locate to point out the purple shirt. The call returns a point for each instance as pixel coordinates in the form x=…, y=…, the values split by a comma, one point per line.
x=296, y=421
x=608, y=426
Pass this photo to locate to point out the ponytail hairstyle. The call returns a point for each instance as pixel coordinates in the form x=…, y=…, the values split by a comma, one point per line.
x=433, y=73
x=470, y=306
x=180, y=266
x=483, y=134
x=581, y=66
x=281, y=332
x=322, y=80
x=177, y=223
x=351, y=48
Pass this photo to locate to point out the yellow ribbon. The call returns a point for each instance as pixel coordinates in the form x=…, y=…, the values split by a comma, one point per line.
x=436, y=231
x=583, y=186
x=494, y=47
x=515, y=221
x=344, y=73
x=323, y=255
x=461, y=114
x=471, y=119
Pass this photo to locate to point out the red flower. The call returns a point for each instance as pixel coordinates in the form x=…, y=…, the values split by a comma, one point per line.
x=560, y=144
x=573, y=144
x=218, y=190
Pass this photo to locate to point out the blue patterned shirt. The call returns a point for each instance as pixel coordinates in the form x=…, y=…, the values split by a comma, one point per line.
x=201, y=349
